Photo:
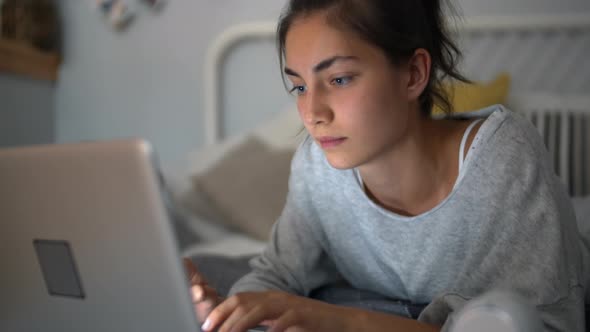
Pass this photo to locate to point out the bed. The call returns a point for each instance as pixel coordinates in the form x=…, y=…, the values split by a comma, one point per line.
x=544, y=58
x=227, y=194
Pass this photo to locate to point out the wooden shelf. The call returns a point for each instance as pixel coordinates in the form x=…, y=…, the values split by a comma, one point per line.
x=20, y=58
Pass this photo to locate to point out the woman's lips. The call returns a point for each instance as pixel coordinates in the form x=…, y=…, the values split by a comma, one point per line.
x=330, y=142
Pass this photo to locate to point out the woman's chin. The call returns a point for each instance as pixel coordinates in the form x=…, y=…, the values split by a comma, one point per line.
x=339, y=162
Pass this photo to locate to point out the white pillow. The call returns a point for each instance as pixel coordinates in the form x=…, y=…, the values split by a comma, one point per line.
x=282, y=131
x=248, y=186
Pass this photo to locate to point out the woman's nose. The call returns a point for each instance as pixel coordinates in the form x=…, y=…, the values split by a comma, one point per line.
x=314, y=110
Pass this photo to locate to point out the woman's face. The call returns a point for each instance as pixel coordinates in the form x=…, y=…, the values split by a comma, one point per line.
x=351, y=99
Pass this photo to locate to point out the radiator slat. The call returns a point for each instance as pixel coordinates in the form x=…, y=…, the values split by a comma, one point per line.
x=577, y=155
x=567, y=140
x=564, y=156
x=552, y=140
x=586, y=155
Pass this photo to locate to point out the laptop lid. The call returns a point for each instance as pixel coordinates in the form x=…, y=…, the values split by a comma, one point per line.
x=86, y=244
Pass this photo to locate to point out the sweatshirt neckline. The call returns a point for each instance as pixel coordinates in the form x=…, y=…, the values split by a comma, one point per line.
x=485, y=131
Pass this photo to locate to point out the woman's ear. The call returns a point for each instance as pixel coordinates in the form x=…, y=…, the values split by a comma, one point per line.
x=419, y=72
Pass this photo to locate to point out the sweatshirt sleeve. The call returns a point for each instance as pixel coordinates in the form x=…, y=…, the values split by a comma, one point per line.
x=294, y=261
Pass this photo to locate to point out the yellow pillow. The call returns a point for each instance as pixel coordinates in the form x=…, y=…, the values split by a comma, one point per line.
x=470, y=97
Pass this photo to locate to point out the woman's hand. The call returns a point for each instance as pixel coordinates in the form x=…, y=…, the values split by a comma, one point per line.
x=283, y=312
x=280, y=311
x=204, y=297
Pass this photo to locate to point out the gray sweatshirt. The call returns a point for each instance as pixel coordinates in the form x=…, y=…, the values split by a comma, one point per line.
x=508, y=223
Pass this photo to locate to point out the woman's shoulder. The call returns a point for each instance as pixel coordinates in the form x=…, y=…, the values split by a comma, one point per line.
x=508, y=134
x=510, y=158
x=512, y=162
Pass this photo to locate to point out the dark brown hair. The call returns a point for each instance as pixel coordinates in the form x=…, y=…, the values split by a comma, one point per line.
x=398, y=27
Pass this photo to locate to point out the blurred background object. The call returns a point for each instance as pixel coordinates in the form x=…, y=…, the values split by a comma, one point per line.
x=497, y=310
x=29, y=38
x=154, y=4
x=34, y=22
x=120, y=13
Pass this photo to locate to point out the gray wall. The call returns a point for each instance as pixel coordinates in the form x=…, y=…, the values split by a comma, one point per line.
x=26, y=111
x=146, y=81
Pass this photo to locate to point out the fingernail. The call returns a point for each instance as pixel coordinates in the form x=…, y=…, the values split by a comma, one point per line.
x=206, y=325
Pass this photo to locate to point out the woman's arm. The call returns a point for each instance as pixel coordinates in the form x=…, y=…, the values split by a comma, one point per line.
x=294, y=260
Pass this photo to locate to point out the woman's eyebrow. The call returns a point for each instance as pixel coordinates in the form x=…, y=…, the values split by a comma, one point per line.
x=324, y=64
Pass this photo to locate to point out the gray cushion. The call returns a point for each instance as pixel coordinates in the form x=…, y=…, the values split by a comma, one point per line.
x=248, y=186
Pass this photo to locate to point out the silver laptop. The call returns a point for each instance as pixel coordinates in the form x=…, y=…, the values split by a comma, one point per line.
x=86, y=243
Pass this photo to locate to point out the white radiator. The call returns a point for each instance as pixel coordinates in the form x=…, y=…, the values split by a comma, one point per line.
x=566, y=134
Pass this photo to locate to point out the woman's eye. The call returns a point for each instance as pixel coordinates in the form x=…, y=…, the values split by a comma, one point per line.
x=298, y=89
x=342, y=80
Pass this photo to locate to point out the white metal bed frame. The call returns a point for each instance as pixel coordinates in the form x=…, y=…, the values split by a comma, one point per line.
x=266, y=30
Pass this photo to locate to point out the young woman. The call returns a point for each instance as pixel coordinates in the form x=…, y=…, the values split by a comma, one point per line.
x=389, y=201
